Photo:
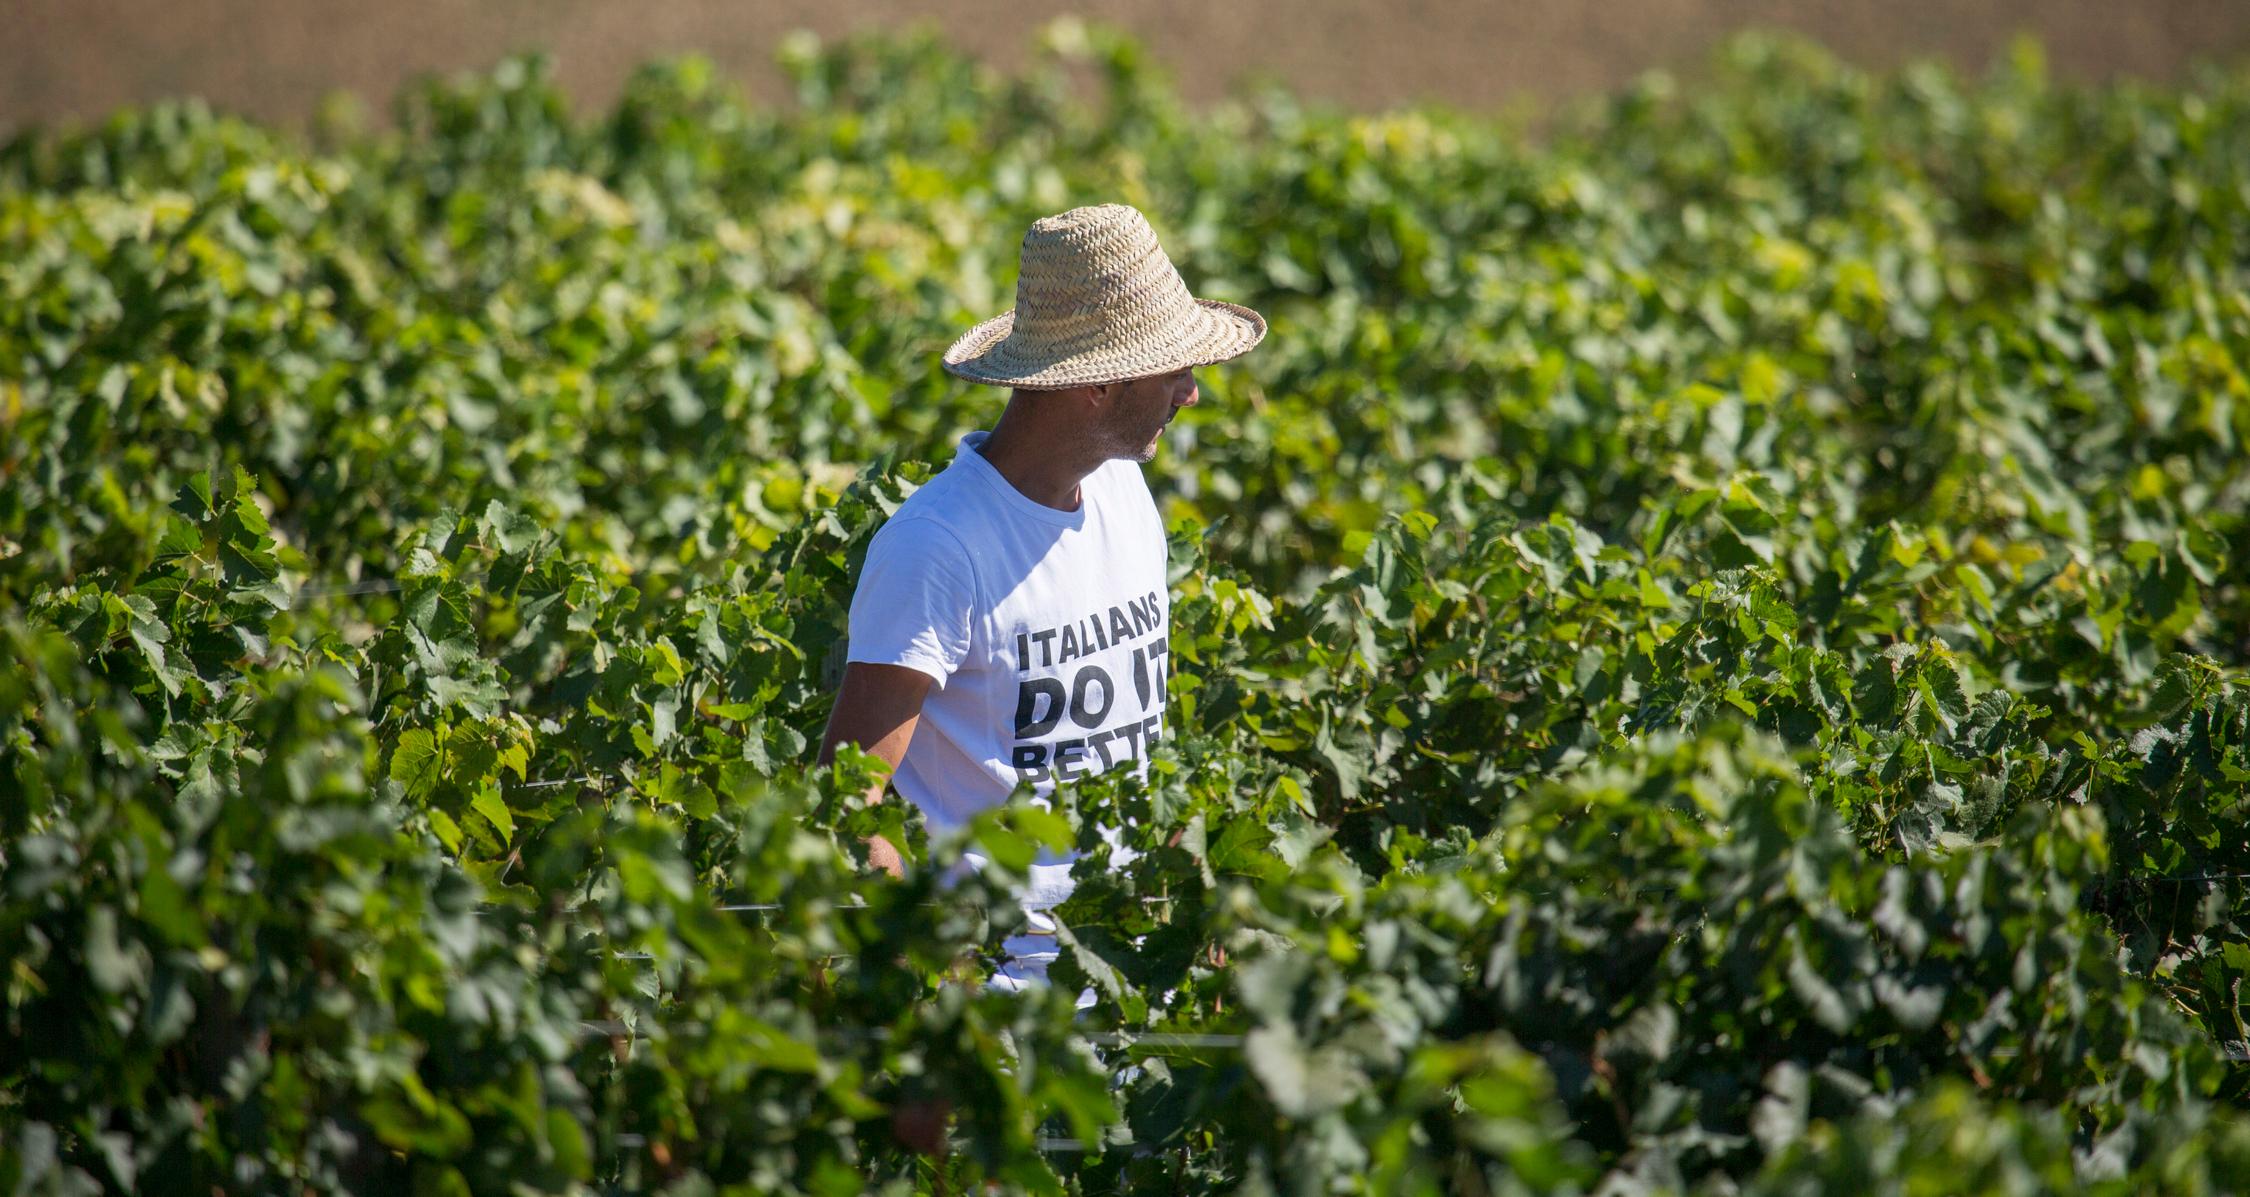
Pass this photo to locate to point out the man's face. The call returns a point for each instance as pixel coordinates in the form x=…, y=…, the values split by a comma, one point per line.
x=1140, y=409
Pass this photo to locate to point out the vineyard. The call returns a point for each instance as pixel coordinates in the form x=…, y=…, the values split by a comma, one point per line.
x=1711, y=644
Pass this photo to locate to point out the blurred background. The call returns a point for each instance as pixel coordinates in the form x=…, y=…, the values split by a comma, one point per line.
x=64, y=60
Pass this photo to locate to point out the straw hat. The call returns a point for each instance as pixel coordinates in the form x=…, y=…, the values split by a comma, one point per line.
x=1097, y=301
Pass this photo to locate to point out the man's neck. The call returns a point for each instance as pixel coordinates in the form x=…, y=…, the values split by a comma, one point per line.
x=1041, y=460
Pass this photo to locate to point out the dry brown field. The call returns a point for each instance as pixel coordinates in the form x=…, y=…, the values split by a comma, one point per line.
x=74, y=59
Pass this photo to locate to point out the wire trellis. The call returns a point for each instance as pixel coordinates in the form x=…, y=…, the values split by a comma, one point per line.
x=372, y=586
x=2233, y=1050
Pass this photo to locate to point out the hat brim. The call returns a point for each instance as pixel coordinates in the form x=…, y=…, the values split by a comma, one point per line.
x=1211, y=332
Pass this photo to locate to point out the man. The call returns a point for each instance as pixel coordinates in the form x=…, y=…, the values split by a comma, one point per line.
x=1011, y=620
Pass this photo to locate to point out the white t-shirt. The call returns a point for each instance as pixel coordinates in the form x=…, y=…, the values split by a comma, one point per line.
x=1045, y=631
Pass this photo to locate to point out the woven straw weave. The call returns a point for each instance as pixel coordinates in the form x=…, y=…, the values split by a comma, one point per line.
x=1097, y=301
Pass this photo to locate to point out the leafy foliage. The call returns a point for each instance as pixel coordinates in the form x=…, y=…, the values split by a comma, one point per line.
x=1709, y=644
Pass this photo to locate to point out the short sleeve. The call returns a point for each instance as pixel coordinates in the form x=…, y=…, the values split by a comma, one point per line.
x=915, y=600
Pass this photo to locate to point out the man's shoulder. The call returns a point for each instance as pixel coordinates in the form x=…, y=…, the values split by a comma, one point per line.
x=941, y=519
x=918, y=548
x=948, y=499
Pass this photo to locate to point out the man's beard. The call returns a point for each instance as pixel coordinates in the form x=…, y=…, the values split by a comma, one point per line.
x=1140, y=449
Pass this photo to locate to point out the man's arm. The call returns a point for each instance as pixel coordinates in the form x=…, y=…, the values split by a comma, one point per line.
x=877, y=708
